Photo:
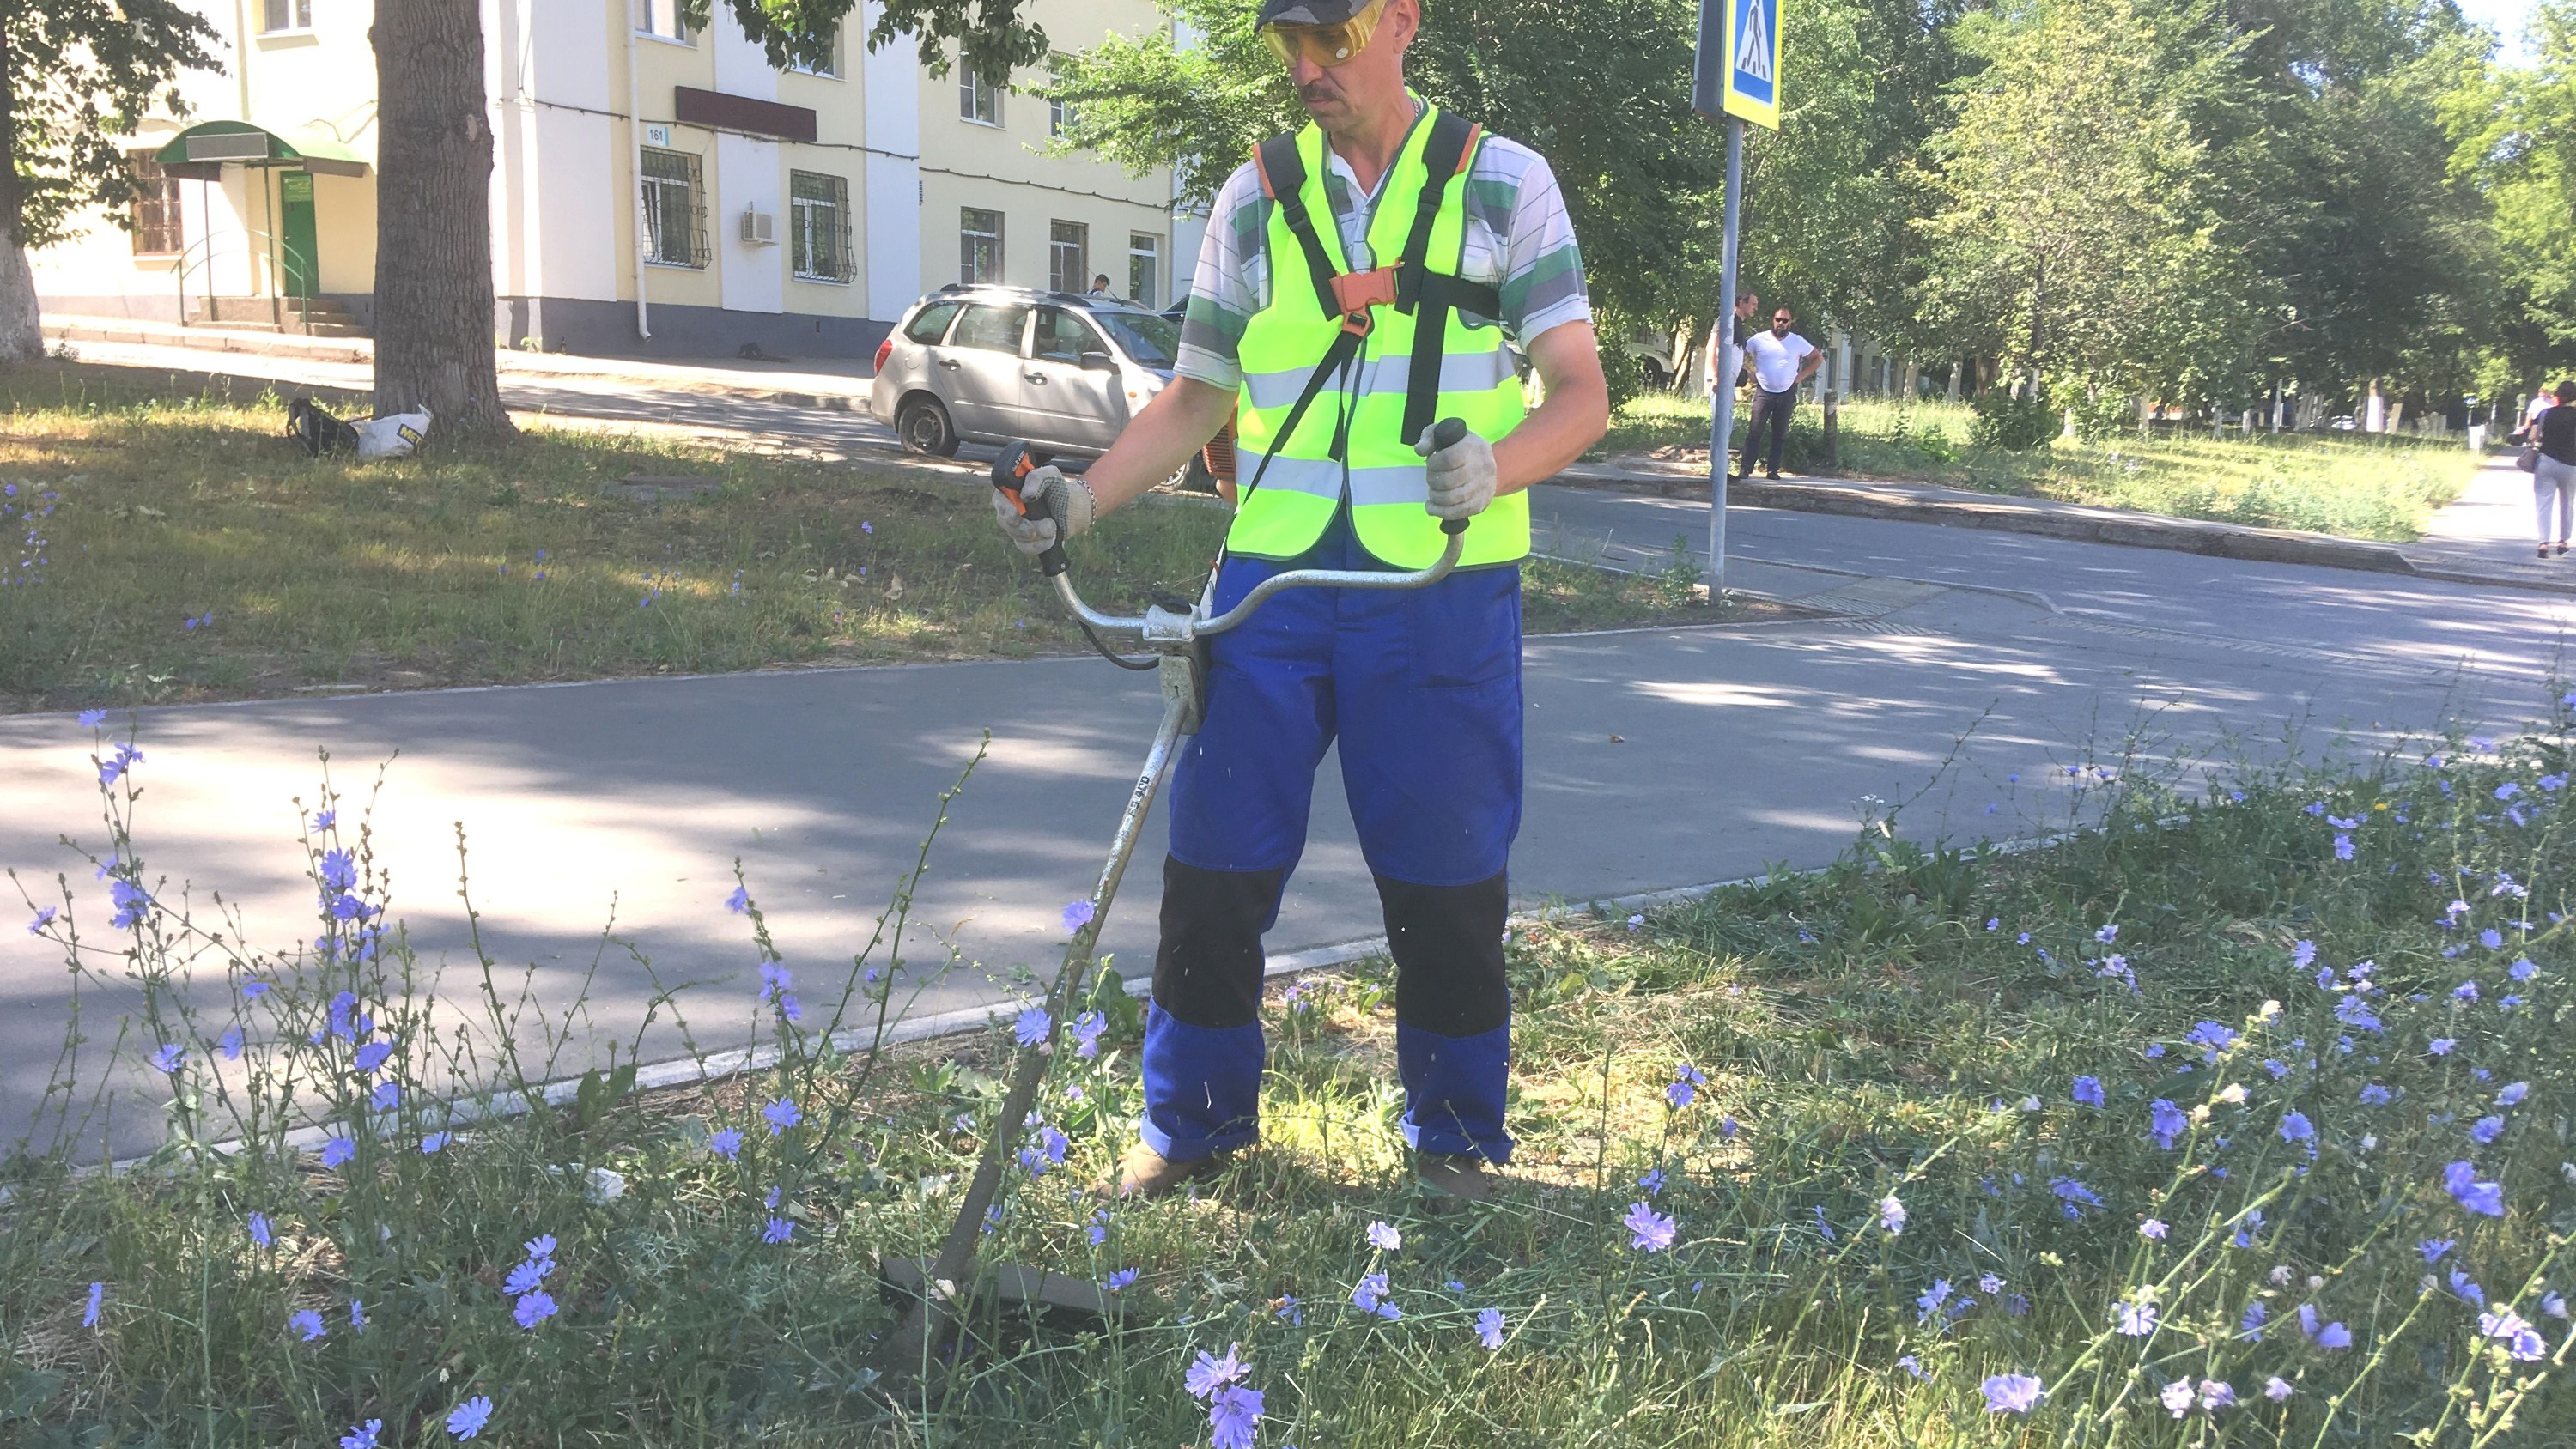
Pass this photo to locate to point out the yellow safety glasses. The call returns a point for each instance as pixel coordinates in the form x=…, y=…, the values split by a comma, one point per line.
x=1325, y=45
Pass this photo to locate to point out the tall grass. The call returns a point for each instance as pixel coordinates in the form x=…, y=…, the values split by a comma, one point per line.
x=2348, y=484
x=189, y=552
x=1836, y=1159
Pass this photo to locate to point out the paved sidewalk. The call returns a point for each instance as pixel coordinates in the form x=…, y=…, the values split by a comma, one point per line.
x=2493, y=523
x=830, y=385
x=2467, y=543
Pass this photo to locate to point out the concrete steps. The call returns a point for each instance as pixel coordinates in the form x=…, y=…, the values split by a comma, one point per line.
x=295, y=316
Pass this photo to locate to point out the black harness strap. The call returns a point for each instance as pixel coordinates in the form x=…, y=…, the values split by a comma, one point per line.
x=1283, y=180
x=1427, y=294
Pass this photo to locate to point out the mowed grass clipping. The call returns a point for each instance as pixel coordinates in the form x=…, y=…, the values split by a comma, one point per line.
x=2349, y=484
x=187, y=550
x=2236, y=1118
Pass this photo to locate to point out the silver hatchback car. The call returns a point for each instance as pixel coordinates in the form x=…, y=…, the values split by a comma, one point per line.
x=1002, y=364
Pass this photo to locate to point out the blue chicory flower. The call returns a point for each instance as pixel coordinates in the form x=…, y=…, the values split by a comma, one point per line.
x=2011, y=1393
x=1650, y=1231
x=467, y=1419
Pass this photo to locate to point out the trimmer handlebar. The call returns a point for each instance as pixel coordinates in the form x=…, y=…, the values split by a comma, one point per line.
x=1161, y=626
x=1011, y=470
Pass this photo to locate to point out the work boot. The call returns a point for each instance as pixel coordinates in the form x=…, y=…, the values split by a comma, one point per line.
x=1145, y=1173
x=1456, y=1175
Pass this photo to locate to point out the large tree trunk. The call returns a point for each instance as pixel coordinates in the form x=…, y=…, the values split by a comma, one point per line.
x=434, y=314
x=22, y=333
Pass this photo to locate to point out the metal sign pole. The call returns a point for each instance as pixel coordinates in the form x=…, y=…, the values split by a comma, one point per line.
x=1721, y=425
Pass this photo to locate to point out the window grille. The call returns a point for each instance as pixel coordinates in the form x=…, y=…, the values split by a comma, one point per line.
x=818, y=237
x=1069, y=256
x=158, y=230
x=675, y=213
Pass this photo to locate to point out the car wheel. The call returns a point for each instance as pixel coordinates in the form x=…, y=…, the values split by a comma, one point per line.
x=923, y=426
x=1194, y=476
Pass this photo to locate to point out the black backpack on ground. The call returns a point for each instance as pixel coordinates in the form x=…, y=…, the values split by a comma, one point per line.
x=318, y=431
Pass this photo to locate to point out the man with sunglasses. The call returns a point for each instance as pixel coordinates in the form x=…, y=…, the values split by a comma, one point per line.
x=1781, y=362
x=1358, y=283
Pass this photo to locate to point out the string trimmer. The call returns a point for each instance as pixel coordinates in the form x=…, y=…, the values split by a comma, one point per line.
x=1176, y=645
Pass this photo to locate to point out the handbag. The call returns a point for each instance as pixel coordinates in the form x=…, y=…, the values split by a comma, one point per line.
x=2528, y=460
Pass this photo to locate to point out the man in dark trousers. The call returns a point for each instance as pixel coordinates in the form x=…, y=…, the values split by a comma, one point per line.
x=1358, y=283
x=1781, y=362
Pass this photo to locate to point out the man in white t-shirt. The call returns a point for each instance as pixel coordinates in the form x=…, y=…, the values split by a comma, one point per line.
x=1781, y=361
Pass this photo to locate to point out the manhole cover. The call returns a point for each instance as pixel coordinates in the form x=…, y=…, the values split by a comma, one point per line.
x=649, y=488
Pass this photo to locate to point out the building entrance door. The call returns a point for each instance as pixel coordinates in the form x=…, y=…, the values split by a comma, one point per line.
x=303, y=265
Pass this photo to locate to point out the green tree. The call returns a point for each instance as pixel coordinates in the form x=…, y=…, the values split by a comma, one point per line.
x=2515, y=146
x=1831, y=196
x=2334, y=164
x=75, y=78
x=2079, y=236
x=1601, y=88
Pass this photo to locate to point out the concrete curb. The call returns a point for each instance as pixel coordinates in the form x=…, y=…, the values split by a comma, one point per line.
x=1958, y=508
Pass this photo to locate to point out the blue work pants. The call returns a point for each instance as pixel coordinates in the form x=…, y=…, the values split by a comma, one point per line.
x=1422, y=689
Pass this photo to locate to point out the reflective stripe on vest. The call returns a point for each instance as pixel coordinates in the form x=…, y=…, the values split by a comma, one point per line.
x=1283, y=343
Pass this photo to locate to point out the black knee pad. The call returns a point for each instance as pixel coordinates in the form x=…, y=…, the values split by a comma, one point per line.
x=1448, y=947
x=1207, y=971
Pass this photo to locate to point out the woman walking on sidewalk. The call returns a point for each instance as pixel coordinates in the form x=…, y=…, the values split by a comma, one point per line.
x=2554, y=477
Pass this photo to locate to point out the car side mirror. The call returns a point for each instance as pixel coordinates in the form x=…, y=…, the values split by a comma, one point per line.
x=1099, y=362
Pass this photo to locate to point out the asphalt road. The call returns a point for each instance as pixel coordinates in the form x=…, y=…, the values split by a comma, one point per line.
x=1948, y=663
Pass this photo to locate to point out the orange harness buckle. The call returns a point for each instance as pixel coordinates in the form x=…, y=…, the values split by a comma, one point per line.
x=1358, y=291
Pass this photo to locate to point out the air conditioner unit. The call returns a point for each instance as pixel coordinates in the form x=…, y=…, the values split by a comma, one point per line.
x=759, y=228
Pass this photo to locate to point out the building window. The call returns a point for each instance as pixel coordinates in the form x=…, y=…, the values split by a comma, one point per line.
x=155, y=212
x=818, y=241
x=675, y=214
x=977, y=99
x=276, y=16
x=979, y=245
x=1059, y=118
x=829, y=68
x=652, y=17
x=1068, y=256
x=1144, y=269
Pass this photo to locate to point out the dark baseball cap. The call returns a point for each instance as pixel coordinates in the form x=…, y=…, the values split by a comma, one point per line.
x=1308, y=12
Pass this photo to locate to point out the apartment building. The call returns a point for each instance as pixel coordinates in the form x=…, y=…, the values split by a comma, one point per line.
x=655, y=192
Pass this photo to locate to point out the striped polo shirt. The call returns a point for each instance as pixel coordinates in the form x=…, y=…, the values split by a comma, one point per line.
x=1519, y=242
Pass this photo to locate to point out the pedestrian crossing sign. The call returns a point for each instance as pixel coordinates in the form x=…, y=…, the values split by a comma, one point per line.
x=1752, y=75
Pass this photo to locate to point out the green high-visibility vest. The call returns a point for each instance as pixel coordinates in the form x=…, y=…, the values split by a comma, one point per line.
x=1379, y=473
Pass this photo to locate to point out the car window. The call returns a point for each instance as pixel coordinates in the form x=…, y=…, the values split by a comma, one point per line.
x=1063, y=336
x=1150, y=339
x=988, y=325
x=931, y=321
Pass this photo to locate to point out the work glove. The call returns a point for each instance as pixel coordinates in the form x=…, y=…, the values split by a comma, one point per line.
x=1035, y=534
x=1461, y=476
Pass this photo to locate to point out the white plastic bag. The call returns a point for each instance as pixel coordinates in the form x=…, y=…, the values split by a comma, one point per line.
x=393, y=437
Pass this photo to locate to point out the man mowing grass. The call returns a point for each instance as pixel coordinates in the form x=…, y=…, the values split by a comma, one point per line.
x=1357, y=284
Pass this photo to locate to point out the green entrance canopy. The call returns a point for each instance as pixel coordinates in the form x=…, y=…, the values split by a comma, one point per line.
x=244, y=144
